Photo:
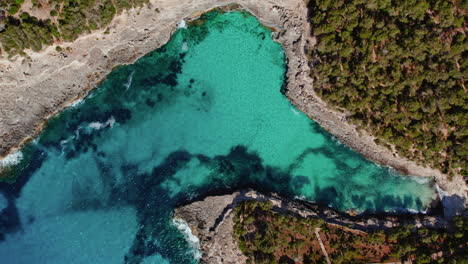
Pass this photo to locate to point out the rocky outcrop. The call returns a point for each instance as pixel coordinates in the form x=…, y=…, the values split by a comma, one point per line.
x=211, y=220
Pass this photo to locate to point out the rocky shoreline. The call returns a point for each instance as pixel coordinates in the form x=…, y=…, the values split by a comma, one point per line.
x=36, y=87
x=211, y=220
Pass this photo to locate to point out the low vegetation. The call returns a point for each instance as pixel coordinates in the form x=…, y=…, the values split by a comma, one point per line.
x=265, y=236
x=398, y=68
x=60, y=20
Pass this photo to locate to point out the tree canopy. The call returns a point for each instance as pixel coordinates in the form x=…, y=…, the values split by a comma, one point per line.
x=266, y=236
x=398, y=68
x=66, y=21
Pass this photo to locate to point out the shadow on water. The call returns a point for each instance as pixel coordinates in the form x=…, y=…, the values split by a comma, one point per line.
x=239, y=169
x=339, y=153
x=9, y=217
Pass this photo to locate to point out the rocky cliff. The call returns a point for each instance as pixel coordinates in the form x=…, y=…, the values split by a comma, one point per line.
x=211, y=220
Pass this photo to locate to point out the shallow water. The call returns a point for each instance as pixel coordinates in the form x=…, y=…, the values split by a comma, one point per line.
x=203, y=114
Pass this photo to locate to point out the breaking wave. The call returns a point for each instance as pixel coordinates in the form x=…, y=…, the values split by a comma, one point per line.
x=75, y=103
x=182, y=24
x=128, y=84
x=193, y=241
x=12, y=159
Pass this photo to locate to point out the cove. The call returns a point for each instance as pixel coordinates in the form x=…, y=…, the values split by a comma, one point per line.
x=203, y=114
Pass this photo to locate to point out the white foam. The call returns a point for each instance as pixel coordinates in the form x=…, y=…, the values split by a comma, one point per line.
x=294, y=110
x=300, y=197
x=336, y=140
x=184, y=46
x=418, y=179
x=98, y=125
x=182, y=24
x=129, y=81
x=77, y=132
x=409, y=211
x=12, y=159
x=111, y=121
x=75, y=103
x=441, y=192
x=421, y=180
x=193, y=241
x=64, y=142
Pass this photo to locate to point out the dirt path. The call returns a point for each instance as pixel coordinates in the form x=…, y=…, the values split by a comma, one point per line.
x=322, y=245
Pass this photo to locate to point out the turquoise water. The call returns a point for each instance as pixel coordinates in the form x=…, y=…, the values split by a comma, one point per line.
x=201, y=115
